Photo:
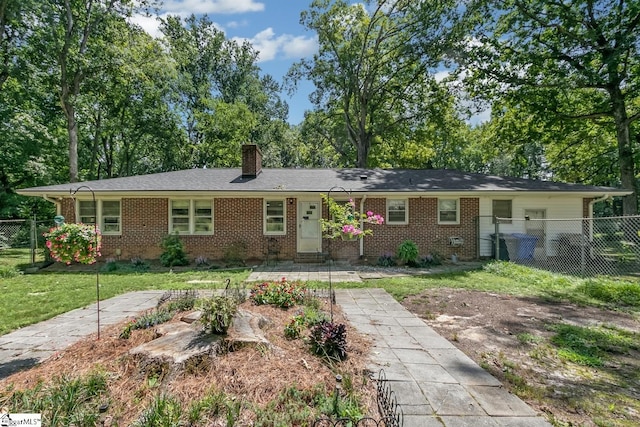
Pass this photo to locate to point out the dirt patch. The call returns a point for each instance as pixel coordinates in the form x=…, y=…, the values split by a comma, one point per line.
x=513, y=338
x=252, y=375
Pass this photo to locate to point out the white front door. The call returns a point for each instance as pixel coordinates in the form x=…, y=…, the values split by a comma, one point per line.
x=309, y=233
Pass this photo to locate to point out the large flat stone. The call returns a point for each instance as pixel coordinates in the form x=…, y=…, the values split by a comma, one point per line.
x=451, y=399
x=499, y=402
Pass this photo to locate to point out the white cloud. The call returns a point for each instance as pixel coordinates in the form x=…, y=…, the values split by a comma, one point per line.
x=150, y=24
x=441, y=75
x=237, y=24
x=300, y=46
x=178, y=7
x=269, y=45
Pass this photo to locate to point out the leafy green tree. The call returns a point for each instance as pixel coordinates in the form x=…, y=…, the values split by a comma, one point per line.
x=69, y=31
x=130, y=127
x=219, y=92
x=372, y=71
x=13, y=28
x=574, y=60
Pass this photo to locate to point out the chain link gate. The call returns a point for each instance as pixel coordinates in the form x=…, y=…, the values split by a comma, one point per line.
x=583, y=246
x=24, y=234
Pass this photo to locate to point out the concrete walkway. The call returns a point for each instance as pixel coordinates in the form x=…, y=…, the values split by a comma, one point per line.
x=435, y=383
x=344, y=272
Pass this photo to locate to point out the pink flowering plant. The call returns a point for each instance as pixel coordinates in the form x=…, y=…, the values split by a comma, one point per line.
x=281, y=293
x=74, y=242
x=345, y=222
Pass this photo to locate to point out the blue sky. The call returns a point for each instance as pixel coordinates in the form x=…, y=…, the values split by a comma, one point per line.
x=272, y=26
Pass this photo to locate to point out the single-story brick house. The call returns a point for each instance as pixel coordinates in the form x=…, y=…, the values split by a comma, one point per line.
x=277, y=210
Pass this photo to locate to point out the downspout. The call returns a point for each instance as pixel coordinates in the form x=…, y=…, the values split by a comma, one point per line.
x=361, y=241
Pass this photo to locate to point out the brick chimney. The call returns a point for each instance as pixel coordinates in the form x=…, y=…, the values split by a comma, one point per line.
x=251, y=160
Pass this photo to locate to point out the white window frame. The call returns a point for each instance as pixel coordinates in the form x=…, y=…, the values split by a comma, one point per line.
x=192, y=217
x=406, y=212
x=99, y=214
x=457, y=220
x=266, y=217
x=493, y=213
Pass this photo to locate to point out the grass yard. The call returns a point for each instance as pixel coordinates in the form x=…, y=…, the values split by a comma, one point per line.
x=31, y=298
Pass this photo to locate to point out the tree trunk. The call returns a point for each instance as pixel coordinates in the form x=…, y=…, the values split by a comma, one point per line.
x=72, y=129
x=625, y=153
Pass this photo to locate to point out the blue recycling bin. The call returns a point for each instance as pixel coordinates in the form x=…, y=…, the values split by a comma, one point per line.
x=526, y=246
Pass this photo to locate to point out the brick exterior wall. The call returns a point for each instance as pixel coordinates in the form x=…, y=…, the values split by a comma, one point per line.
x=423, y=229
x=145, y=221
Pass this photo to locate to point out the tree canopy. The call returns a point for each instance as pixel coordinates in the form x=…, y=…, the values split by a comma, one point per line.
x=86, y=94
x=570, y=61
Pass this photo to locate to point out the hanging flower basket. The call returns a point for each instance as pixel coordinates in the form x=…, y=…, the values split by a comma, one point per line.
x=344, y=222
x=348, y=237
x=74, y=242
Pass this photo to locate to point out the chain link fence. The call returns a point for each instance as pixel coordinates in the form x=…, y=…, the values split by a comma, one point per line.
x=583, y=246
x=23, y=237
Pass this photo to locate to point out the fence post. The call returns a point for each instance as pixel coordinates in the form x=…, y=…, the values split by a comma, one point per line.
x=497, y=242
x=34, y=240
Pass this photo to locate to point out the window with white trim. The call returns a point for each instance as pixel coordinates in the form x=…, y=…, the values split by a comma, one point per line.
x=108, y=213
x=448, y=211
x=274, y=216
x=397, y=211
x=191, y=216
x=502, y=209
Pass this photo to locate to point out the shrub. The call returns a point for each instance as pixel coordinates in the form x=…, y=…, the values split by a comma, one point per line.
x=282, y=293
x=407, y=251
x=235, y=254
x=139, y=264
x=217, y=314
x=386, y=260
x=146, y=320
x=173, y=253
x=184, y=302
x=202, y=262
x=329, y=340
x=431, y=260
x=293, y=329
x=309, y=317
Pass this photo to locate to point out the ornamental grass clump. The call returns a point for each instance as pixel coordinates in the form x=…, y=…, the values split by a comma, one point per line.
x=345, y=222
x=283, y=293
x=74, y=242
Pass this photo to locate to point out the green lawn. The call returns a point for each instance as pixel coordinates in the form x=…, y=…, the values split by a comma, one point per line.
x=30, y=298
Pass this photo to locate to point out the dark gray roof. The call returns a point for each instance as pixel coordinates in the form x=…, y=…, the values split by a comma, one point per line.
x=321, y=180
